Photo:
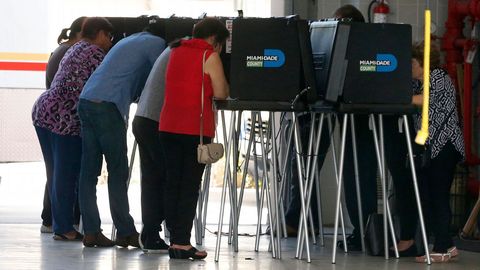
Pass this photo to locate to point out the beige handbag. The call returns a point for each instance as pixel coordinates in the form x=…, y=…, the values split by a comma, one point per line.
x=212, y=152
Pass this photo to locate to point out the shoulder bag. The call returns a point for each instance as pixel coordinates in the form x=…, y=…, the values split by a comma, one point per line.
x=212, y=152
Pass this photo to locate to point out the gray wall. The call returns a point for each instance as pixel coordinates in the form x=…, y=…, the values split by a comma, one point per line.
x=18, y=141
x=401, y=11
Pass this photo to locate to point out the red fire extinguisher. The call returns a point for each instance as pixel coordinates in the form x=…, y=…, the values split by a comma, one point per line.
x=380, y=12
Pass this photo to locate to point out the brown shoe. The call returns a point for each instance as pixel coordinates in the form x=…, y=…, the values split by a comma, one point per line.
x=97, y=240
x=125, y=241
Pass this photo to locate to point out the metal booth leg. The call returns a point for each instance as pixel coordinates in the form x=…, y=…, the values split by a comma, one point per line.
x=336, y=170
x=228, y=146
x=283, y=181
x=357, y=181
x=417, y=193
x=312, y=174
x=378, y=142
x=301, y=233
x=339, y=189
x=274, y=183
x=198, y=220
x=267, y=184
x=298, y=151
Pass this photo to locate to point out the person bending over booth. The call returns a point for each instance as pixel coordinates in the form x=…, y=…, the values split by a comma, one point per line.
x=103, y=108
x=65, y=40
x=57, y=124
x=152, y=161
x=194, y=66
x=395, y=157
x=445, y=141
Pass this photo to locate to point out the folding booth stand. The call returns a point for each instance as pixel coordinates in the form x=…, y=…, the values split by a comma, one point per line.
x=270, y=186
x=308, y=173
x=349, y=110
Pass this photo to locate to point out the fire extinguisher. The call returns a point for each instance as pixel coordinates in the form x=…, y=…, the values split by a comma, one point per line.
x=380, y=11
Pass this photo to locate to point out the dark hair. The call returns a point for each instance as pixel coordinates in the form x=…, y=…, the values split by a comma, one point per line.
x=418, y=50
x=211, y=27
x=154, y=27
x=93, y=25
x=349, y=12
x=75, y=28
x=206, y=28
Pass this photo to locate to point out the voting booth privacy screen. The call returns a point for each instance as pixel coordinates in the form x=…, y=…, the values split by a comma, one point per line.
x=285, y=59
x=362, y=63
x=269, y=59
x=170, y=28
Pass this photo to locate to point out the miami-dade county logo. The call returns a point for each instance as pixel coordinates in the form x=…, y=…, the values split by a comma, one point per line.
x=271, y=58
x=383, y=63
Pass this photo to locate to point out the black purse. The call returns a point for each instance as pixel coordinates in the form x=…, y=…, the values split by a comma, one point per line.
x=374, y=235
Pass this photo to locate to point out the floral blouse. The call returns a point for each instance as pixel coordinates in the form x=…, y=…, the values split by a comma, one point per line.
x=56, y=108
x=442, y=105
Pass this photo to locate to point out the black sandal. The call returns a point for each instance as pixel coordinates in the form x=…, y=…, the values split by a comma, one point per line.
x=62, y=237
x=176, y=253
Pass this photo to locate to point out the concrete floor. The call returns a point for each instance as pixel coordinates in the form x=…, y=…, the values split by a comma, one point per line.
x=22, y=246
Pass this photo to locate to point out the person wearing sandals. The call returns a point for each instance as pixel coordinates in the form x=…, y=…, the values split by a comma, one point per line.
x=180, y=126
x=57, y=124
x=447, y=149
x=65, y=40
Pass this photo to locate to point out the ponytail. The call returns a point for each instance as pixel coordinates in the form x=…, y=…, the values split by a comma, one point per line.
x=72, y=31
x=63, y=35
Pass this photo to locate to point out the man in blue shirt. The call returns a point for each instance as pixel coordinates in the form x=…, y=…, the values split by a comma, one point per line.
x=103, y=109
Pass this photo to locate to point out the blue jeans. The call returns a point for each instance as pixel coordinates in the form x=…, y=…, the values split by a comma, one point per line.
x=62, y=155
x=104, y=133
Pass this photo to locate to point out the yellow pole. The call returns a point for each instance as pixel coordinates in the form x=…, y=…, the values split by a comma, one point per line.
x=422, y=134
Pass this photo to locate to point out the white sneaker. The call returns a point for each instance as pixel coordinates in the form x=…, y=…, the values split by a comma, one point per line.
x=46, y=229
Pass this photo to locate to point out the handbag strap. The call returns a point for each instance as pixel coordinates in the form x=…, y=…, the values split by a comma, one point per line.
x=201, y=112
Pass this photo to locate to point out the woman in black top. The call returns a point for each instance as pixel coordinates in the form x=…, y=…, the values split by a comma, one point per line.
x=445, y=140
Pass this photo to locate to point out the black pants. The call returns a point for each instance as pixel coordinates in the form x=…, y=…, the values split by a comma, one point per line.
x=396, y=151
x=152, y=166
x=395, y=157
x=184, y=175
x=367, y=170
x=434, y=183
x=292, y=216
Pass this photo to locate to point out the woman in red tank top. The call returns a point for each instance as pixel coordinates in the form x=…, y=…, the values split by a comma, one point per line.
x=180, y=126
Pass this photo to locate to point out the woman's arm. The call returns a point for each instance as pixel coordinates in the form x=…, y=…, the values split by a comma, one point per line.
x=214, y=68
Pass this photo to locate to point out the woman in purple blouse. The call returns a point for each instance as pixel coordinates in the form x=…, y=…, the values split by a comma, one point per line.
x=56, y=122
x=66, y=39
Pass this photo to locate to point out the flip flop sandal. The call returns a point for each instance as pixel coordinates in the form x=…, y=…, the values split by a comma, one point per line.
x=434, y=258
x=453, y=251
x=62, y=237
